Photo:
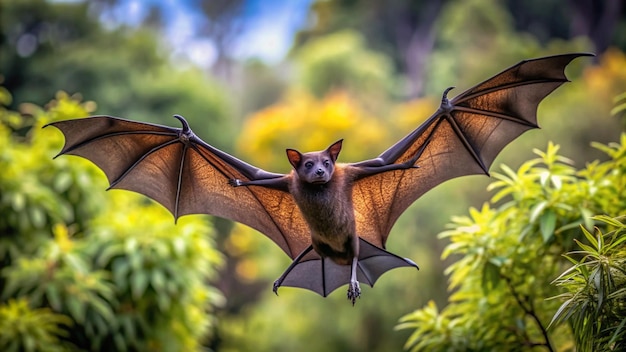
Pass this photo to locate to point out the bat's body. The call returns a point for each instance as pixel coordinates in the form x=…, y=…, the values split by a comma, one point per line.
x=322, y=190
x=332, y=219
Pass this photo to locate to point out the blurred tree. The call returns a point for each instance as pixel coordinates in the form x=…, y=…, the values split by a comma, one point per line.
x=341, y=61
x=222, y=25
x=258, y=85
x=410, y=32
x=318, y=124
x=404, y=30
x=47, y=46
x=79, y=270
x=600, y=21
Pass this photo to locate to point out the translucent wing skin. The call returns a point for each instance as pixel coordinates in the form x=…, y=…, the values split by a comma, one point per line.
x=462, y=138
x=185, y=175
x=189, y=176
x=323, y=276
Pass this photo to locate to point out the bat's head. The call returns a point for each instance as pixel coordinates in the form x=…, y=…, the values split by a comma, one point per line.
x=315, y=167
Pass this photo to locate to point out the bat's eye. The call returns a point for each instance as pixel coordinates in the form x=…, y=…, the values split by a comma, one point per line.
x=327, y=163
x=308, y=164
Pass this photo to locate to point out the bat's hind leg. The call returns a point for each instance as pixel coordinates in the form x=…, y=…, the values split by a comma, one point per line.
x=293, y=264
x=354, y=290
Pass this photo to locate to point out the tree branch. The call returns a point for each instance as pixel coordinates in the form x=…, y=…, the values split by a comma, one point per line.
x=527, y=306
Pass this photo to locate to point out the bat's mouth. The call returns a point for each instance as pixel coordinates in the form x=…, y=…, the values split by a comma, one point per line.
x=319, y=181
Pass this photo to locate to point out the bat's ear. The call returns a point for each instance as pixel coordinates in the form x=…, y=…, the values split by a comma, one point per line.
x=295, y=157
x=334, y=149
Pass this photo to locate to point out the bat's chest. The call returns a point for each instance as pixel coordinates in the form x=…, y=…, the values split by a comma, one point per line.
x=330, y=216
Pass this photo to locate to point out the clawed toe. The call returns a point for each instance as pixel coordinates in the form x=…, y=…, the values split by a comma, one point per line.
x=354, y=291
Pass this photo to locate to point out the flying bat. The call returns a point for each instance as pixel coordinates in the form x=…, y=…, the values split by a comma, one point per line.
x=331, y=218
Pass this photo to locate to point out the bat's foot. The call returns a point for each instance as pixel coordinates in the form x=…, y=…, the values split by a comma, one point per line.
x=354, y=291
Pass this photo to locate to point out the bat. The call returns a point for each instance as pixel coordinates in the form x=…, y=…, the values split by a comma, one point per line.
x=331, y=218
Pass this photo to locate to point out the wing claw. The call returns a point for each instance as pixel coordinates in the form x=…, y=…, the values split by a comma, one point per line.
x=235, y=182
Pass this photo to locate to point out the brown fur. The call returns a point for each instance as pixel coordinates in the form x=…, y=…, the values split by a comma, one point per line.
x=328, y=210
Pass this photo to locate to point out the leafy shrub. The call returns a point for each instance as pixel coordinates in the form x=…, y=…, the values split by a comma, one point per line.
x=98, y=271
x=595, y=297
x=508, y=252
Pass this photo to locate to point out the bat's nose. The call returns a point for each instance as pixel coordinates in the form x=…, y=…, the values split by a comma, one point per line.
x=319, y=172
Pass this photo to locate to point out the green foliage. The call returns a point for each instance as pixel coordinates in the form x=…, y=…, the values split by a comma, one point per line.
x=127, y=278
x=26, y=329
x=620, y=108
x=596, y=289
x=342, y=61
x=99, y=271
x=468, y=45
x=305, y=122
x=542, y=206
x=508, y=252
x=128, y=71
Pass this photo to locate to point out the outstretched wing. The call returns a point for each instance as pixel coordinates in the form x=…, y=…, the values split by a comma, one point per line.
x=462, y=138
x=185, y=174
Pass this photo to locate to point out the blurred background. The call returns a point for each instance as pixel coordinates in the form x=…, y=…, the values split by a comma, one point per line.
x=254, y=77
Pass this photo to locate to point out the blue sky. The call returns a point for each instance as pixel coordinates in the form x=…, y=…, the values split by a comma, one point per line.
x=270, y=26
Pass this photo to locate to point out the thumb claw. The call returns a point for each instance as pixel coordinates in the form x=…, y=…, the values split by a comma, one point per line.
x=275, y=288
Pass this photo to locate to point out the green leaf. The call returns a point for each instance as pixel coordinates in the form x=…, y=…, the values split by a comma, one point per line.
x=586, y=214
x=158, y=281
x=62, y=182
x=37, y=217
x=103, y=307
x=537, y=210
x=616, y=243
x=491, y=276
x=618, y=331
x=547, y=224
x=76, y=262
x=556, y=181
x=18, y=202
x=138, y=283
x=588, y=250
x=120, y=268
x=120, y=343
x=110, y=251
x=53, y=296
x=609, y=220
x=619, y=108
x=592, y=239
x=498, y=260
x=76, y=308
x=163, y=300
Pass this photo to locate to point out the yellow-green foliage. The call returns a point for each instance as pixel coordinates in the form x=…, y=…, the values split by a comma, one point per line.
x=593, y=303
x=23, y=328
x=342, y=60
x=509, y=251
x=101, y=270
x=307, y=123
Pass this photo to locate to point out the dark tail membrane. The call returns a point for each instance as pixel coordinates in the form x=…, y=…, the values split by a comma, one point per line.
x=323, y=276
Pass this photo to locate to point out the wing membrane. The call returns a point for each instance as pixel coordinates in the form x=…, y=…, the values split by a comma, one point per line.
x=462, y=138
x=185, y=175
